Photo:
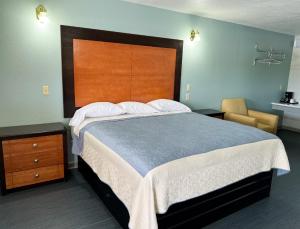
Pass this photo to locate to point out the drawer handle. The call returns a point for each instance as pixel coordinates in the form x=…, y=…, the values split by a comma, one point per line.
x=36, y=161
x=37, y=175
x=34, y=145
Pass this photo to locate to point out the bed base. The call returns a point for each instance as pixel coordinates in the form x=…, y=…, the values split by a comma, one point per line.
x=193, y=213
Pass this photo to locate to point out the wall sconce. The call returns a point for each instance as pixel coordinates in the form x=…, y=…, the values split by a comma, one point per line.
x=41, y=14
x=195, y=35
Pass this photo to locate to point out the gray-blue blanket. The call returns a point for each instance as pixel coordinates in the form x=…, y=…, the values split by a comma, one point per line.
x=147, y=142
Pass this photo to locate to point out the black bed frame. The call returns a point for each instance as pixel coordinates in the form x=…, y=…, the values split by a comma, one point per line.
x=193, y=213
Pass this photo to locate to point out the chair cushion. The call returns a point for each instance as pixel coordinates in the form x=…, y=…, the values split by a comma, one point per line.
x=264, y=127
x=237, y=106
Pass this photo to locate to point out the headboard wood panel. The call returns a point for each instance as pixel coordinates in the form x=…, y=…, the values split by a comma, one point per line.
x=109, y=66
x=102, y=72
x=153, y=73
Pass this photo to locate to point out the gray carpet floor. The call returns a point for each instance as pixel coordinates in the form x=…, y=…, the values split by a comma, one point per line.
x=74, y=204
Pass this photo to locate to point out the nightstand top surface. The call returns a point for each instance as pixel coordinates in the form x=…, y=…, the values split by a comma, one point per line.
x=208, y=111
x=31, y=130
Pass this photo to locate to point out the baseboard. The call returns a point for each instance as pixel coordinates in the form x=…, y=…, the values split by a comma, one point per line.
x=290, y=128
x=72, y=165
x=291, y=121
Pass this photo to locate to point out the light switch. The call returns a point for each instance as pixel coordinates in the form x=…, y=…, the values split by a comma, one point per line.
x=45, y=90
x=188, y=87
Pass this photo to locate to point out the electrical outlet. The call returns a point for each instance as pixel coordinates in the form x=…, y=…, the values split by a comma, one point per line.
x=280, y=87
x=45, y=90
x=187, y=96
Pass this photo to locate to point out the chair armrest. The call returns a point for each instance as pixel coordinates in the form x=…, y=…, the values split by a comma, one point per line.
x=266, y=118
x=243, y=119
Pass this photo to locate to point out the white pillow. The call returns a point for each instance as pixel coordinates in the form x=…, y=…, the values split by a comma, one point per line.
x=93, y=110
x=167, y=105
x=137, y=108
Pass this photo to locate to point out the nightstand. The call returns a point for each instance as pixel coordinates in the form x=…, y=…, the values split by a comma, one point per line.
x=211, y=113
x=32, y=155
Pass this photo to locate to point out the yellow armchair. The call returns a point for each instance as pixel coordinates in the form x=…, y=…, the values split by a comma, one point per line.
x=236, y=111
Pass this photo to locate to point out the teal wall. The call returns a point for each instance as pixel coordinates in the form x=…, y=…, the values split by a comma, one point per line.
x=218, y=66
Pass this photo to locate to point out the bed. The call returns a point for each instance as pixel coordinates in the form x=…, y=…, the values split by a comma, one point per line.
x=148, y=177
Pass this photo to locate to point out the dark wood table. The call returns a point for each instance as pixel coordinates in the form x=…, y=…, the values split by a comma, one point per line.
x=32, y=155
x=211, y=113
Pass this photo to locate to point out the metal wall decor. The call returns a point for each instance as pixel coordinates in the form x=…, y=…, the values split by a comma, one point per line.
x=268, y=56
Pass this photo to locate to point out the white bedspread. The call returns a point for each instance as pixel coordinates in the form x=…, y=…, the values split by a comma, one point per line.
x=178, y=180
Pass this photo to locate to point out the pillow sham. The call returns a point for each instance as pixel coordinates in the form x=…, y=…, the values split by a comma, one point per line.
x=137, y=108
x=167, y=105
x=93, y=110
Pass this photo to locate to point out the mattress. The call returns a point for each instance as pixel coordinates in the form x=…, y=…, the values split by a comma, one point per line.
x=177, y=179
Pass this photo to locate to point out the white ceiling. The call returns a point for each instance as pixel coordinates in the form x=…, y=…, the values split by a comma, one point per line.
x=275, y=15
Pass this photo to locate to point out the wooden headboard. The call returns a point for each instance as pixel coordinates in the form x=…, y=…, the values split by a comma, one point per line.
x=114, y=67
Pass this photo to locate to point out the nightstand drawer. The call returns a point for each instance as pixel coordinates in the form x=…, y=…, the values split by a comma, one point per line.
x=14, y=162
x=35, y=144
x=34, y=176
